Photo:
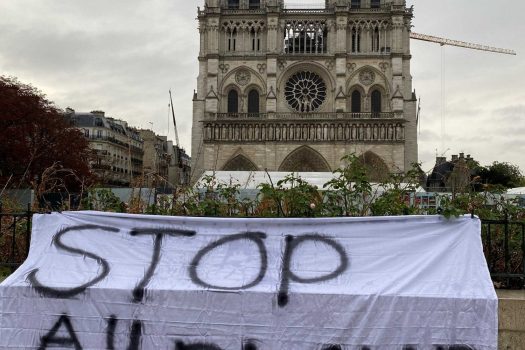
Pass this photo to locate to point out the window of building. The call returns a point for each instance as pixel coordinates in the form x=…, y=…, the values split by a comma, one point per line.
x=256, y=40
x=356, y=102
x=355, y=4
x=305, y=37
x=99, y=134
x=375, y=4
x=375, y=40
x=255, y=4
x=86, y=133
x=233, y=101
x=232, y=39
x=376, y=101
x=233, y=4
x=253, y=101
x=356, y=41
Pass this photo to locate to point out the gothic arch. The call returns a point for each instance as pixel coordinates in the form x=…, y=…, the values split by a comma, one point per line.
x=262, y=96
x=305, y=159
x=385, y=97
x=375, y=166
x=229, y=79
x=226, y=99
x=351, y=91
x=239, y=163
x=381, y=80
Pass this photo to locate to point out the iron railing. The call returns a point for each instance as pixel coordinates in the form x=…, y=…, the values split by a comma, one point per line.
x=15, y=236
x=503, y=245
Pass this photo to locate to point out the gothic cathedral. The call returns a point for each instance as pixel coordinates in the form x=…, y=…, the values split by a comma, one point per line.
x=289, y=89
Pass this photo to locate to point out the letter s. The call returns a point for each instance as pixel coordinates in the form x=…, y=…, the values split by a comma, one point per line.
x=69, y=293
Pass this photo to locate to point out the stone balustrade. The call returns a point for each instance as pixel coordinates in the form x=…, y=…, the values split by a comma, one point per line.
x=303, y=116
x=274, y=130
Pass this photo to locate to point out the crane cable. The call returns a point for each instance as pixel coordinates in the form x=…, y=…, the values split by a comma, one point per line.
x=443, y=98
x=169, y=117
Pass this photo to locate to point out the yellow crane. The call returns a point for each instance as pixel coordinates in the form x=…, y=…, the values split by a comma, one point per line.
x=458, y=43
x=450, y=42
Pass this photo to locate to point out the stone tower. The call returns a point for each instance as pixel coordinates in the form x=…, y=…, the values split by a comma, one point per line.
x=288, y=89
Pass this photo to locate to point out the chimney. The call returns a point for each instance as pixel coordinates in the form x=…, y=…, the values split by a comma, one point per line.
x=454, y=157
x=99, y=113
x=440, y=160
x=462, y=156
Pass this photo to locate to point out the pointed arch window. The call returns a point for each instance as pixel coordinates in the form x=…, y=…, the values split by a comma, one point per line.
x=253, y=101
x=256, y=40
x=356, y=102
x=233, y=4
x=232, y=39
x=375, y=40
x=255, y=4
x=356, y=40
x=233, y=101
x=355, y=4
x=376, y=102
x=375, y=4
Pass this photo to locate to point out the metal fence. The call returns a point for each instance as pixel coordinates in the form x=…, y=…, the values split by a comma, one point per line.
x=504, y=248
x=503, y=245
x=15, y=236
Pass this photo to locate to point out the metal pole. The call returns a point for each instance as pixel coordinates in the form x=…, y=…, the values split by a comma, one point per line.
x=13, y=245
x=28, y=228
x=507, y=255
x=523, y=250
x=489, y=249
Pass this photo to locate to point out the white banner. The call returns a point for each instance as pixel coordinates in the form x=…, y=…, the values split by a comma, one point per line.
x=115, y=281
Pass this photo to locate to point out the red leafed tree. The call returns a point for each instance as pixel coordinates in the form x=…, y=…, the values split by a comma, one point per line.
x=37, y=144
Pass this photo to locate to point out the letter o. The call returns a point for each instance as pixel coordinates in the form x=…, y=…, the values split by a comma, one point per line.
x=255, y=237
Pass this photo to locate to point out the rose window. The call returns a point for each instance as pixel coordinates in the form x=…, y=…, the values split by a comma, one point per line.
x=305, y=91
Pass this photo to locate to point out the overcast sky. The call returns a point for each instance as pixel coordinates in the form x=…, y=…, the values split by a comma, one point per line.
x=122, y=56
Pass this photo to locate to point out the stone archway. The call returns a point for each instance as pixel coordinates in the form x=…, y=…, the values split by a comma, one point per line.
x=375, y=166
x=240, y=163
x=304, y=159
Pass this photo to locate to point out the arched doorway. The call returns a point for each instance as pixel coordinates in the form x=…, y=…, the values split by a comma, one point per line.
x=305, y=159
x=240, y=163
x=376, y=168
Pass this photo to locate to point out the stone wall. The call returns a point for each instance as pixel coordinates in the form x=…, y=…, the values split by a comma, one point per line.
x=271, y=155
x=511, y=320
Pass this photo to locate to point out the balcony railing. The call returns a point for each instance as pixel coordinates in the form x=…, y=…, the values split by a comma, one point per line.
x=116, y=142
x=308, y=11
x=299, y=116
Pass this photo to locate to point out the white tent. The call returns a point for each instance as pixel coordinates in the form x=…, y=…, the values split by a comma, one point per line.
x=250, y=180
x=519, y=190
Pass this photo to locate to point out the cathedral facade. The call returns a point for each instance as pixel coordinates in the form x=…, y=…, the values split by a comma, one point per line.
x=289, y=89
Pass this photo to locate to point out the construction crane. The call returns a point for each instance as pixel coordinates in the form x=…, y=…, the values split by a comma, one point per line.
x=450, y=42
x=174, y=122
x=179, y=149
